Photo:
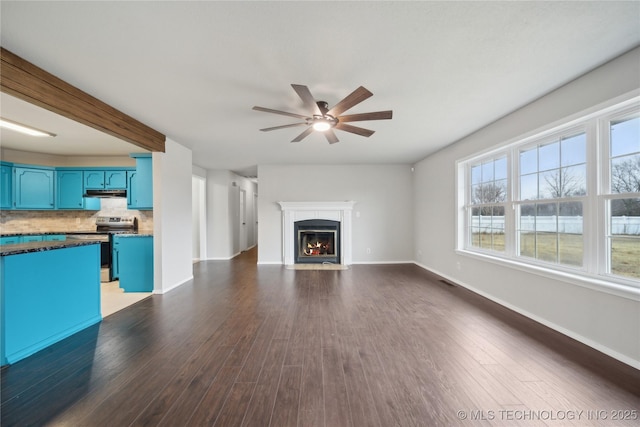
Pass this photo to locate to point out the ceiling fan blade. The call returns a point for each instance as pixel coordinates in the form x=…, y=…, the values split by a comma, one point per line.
x=354, y=129
x=303, y=135
x=377, y=115
x=307, y=99
x=355, y=97
x=283, y=126
x=284, y=113
x=331, y=136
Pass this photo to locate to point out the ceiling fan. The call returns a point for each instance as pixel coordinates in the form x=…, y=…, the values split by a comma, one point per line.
x=321, y=118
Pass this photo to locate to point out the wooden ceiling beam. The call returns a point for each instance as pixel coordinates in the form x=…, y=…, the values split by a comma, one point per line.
x=25, y=81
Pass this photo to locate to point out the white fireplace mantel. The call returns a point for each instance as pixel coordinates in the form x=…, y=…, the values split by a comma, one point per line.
x=300, y=211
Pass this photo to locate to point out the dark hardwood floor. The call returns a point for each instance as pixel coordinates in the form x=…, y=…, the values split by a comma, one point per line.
x=375, y=345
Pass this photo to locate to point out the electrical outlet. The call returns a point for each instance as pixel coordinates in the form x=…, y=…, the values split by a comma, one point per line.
x=368, y=250
x=458, y=266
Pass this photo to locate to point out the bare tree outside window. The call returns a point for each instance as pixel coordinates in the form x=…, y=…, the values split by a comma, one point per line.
x=564, y=183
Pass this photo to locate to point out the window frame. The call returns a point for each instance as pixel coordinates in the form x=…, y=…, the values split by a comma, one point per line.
x=595, y=263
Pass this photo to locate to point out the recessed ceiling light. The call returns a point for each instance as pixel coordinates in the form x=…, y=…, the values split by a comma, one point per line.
x=28, y=130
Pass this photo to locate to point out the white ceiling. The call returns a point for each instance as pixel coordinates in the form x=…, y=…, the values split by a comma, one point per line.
x=193, y=70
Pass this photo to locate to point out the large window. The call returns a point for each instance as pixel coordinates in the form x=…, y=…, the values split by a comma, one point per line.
x=566, y=199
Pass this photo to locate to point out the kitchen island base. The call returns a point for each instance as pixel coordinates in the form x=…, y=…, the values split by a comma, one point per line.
x=46, y=296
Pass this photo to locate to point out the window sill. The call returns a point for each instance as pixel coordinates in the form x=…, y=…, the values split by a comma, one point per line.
x=597, y=284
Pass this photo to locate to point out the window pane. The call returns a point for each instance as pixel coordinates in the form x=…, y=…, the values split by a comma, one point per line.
x=548, y=184
x=529, y=187
x=500, y=169
x=528, y=244
x=625, y=174
x=570, y=240
x=546, y=219
x=487, y=172
x=574, y=180
x=547, y=246
x=625, y=253
x=549, y=156
x=476, y=175
x=476, y=194
x=527, y=217
x=573, y=151
x=494, y=192
x=528, y=161
x=625, y=246
x=625, y=214
x=501, y=194
x=625, y=137
x=570, y=249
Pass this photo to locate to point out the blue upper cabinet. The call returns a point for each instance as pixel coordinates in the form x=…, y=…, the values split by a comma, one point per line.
x=105, y=179
x=115, y=180
x=69, y=194
x=6, y=186
x=69, y=191
x=140, y=184
x=94, y=179
x=34, y=188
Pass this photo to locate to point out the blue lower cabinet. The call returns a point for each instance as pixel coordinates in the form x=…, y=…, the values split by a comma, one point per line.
x=27, y=239
x=135, y=263
x=10, y=240
x=55, y=237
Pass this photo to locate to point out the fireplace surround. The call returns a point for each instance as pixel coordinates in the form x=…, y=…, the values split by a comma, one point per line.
x=338, y=213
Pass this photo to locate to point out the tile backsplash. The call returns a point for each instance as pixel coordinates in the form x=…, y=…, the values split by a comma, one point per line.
x=13, y=221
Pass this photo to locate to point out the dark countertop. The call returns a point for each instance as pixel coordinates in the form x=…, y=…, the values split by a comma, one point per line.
x=23, y=248
x=134, y=234
x=35, y=233
x=46, y=233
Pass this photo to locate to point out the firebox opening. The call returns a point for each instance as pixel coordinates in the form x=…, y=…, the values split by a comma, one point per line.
x=317, y=241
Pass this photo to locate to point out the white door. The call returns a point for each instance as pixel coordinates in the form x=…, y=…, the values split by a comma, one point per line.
x=255, y=219
x=243, y=220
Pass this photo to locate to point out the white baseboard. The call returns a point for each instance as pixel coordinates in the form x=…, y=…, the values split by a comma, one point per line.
x=381, y=262
x=172, y=287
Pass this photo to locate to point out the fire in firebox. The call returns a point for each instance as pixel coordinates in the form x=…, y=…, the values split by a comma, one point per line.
x=318, y=248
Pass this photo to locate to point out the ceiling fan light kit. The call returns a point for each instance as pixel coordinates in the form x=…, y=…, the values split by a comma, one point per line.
x=322, y=119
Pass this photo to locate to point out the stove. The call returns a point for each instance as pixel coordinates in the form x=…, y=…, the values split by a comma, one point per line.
x=106, y=227
x=116, y=224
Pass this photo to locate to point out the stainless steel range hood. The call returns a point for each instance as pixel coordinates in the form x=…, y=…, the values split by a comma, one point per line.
x=106, y=194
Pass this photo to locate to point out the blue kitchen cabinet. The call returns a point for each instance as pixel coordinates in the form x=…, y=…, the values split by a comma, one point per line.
x=105, y=179
x=135, y=263
x=10, y=240
x=93, y=179
x=115, y=180
x=34, y=188
x=55, y=237
x=69, y=191
x=115, y=258
x=44, y=304
x=28, y=239
x=6, y=186
x=140, y=184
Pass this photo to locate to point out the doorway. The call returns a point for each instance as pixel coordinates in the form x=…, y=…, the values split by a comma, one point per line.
x=243, y=220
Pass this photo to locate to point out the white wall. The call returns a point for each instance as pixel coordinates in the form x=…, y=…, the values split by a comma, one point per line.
x=172, y=217
x=382, y=216
x=223, y=212
x=607, y=322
